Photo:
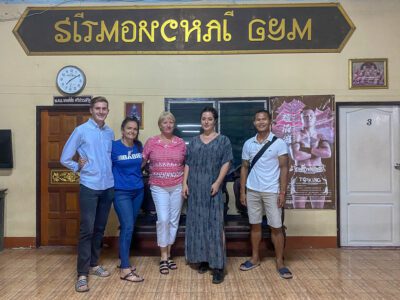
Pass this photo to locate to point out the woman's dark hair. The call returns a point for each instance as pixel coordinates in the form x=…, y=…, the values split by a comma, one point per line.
x=133, y=119
x=211, y=110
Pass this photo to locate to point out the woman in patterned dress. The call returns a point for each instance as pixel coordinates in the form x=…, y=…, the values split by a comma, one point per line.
x=208, y=160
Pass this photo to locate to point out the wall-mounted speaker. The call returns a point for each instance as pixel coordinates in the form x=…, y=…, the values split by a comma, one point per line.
x=6, y=153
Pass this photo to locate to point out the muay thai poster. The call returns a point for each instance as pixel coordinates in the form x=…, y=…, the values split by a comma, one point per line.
x=307, y=125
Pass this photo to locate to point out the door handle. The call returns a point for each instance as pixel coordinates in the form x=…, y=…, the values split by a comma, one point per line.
x=397, y=166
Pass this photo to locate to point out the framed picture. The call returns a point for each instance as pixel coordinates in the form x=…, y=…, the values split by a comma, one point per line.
x=135, y=109
x=368, y=73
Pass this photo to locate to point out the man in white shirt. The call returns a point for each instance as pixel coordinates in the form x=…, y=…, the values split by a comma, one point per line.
x=264, y=188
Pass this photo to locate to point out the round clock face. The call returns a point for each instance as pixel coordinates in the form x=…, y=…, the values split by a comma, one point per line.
x=70, y=80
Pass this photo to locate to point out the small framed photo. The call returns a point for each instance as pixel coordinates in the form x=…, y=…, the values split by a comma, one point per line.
x=368, y=73
x=135, y=109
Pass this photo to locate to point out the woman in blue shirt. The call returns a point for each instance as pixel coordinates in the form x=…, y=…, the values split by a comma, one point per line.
x=126, y=159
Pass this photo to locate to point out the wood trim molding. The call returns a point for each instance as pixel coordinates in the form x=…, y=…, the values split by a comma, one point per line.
x=147, y=245
x=304, y=242
x=235, y=247
x=16, y=242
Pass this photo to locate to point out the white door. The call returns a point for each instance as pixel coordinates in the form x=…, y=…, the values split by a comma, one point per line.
x=369, y=161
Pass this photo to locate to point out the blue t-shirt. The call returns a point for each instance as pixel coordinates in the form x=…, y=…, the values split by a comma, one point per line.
x=126, y=166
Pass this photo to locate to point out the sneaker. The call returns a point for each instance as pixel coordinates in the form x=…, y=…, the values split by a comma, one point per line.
x=203, y=267
x=218, y=276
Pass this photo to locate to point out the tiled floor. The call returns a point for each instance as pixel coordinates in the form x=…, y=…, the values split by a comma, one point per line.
x=49, y=273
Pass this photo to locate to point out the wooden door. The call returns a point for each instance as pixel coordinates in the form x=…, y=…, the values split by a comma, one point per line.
x=369, y=176
x=59, y=187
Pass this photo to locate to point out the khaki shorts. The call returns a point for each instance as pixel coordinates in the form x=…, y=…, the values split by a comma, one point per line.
x=258, y=202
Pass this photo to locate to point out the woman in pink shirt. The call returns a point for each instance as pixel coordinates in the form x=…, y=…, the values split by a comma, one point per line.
x=166, y=155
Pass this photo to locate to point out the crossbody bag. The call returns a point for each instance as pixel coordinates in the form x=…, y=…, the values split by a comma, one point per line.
x=261, y=152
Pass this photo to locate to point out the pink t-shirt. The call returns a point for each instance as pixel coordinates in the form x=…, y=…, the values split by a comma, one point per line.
x=166, y=160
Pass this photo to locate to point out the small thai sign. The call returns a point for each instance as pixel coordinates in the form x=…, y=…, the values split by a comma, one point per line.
x=219, y=29
x=72, y=100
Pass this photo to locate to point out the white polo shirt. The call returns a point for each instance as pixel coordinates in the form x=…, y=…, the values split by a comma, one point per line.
x=264, y=177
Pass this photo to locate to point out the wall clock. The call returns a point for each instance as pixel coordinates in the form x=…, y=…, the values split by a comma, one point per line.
x=70, y=80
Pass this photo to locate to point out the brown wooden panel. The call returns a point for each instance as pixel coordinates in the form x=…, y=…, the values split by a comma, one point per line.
x=85, y=118
x=54, y=203
x=54, y=151
x=72, y=202
x=54, y=125
x=54, y=138
x=69, y=124
x=72, y=229
x=55, y=164
x=54, y=229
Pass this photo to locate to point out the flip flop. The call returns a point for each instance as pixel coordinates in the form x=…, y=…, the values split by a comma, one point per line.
x=136, y=277
x=285, y=273
x=248, y=265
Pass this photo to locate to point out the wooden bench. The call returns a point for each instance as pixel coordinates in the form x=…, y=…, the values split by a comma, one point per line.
x=237, y=233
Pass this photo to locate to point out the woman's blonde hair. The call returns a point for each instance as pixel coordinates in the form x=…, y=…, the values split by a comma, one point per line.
x=165, y=115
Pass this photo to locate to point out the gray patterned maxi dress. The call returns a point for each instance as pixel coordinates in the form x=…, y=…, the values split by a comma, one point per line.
x=205, y=238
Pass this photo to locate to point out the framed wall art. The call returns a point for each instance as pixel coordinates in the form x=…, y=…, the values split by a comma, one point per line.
x=135, y=109
x=368, y=73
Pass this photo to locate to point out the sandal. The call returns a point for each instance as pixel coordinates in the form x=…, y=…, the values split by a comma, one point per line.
x=132, y=277
x=171, y=264
x=99, y=271
x=164, y=267
x=133, y=268
x=81, y=285
x=248, y=265
x=285, y=273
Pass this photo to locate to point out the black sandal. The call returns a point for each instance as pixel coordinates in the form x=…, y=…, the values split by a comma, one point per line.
x=171, y=264
x=164, y=267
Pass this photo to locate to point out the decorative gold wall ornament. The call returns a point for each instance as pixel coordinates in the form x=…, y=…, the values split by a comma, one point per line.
x=64, y=177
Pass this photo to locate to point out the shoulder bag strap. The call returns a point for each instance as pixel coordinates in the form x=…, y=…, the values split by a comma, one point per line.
x=261, y=152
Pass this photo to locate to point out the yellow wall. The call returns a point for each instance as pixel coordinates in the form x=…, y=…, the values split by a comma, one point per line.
x=29, y=81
